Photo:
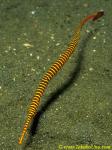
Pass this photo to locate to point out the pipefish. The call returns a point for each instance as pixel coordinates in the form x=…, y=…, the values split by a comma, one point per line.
x=53, y=70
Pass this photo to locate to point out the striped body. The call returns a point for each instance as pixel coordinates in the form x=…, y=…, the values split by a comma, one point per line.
x=52, y=72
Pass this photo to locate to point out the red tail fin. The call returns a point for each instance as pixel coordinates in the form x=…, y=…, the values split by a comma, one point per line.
x=98, y=15
x=94, y=17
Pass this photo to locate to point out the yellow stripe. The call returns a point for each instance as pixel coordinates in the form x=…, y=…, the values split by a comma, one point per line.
x=51, y=73
x=64, y=58
x=65, y=55
x=45, y=78
x=48, y=76
x=38, y=93
x=55, y=68
x=57, y=65
x=35, y=103
x=43, y=84
x=36, y=96
x=41, y=88
x=61, y=62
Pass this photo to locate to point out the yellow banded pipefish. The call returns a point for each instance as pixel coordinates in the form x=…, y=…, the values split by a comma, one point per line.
x=53, y=70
